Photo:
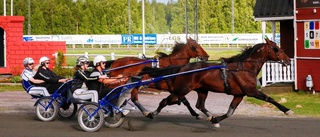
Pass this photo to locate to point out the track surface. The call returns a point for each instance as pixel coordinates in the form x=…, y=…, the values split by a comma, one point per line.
x=17, y=118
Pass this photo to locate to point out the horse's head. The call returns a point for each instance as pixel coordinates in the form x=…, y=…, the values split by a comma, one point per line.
x=196, y=51
x=276, y=54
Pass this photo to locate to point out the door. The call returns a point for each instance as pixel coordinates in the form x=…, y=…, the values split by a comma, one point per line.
x=2, y=47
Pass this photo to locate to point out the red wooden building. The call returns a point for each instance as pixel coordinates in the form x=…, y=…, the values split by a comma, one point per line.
x=307, y=37
x=13, y=49
x=300, y=34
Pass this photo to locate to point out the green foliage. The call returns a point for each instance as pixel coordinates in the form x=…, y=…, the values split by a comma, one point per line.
x=112, y=16
x=59, y=69
x=15, y=79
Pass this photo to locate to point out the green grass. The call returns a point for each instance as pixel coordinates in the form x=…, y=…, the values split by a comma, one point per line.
x=17, y=87
x=301, y=103
x=215, y=54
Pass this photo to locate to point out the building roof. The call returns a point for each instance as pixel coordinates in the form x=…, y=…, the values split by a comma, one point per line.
x=273, y=10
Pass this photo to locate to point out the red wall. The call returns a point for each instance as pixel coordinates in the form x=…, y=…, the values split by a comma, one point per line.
x=17, y=49
x=306, y=66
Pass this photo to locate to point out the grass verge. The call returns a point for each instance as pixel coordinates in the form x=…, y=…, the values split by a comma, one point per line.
x=300, y=102
x=17, y=87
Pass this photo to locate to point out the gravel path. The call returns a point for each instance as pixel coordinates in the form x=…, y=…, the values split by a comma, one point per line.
x=217, y=103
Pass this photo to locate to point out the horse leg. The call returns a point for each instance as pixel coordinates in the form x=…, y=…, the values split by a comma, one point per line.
x=170, y=100
x=191, y=110
x=202, y=96
x=135, y=100
x=264, y=97
x=234, y=104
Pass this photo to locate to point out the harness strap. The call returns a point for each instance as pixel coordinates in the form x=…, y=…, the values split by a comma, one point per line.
x=225, y=77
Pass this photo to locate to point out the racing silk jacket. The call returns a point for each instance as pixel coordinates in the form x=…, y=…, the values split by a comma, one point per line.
x=79, y=77
x=25, y=76
x=95, y=84
x=51, y=79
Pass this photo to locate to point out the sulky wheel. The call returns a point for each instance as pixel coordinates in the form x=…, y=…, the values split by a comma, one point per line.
x=89, y=118
x=115, y=119
x=46, y=109
x=68, y=113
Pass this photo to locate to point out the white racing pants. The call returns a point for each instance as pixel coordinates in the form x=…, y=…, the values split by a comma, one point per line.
x=85, y=94
x=39, y=91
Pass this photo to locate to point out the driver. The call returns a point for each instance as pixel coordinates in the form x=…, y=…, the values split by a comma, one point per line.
x=80, y=76
x=52, y=80
x=101, y=84
x=28, y=81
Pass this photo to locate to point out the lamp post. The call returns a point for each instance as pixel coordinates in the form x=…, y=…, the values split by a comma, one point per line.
x=29, y=25
x=143, y=31
x=232, y=16
x=129, y=18
x=196, y=20
x=11, y=11
x=186, y=18
x=4, y=8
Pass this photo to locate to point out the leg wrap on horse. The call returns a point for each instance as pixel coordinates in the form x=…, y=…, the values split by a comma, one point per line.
x=140, y=107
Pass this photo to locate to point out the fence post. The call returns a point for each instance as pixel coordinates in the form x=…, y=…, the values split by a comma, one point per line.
x=86, y=55
x=55, y=55
x=112, y=55
x=264, y=75
x=140, y=55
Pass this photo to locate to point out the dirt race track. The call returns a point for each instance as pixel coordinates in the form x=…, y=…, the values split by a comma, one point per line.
x=17, y=118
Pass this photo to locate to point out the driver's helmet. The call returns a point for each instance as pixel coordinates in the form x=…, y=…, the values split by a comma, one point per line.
x=43, y=59
x=27, y=61
x=81, y=60
x=98, y=59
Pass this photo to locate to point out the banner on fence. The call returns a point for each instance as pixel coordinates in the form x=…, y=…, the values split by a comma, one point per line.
x=136, y=39
x=76, y=39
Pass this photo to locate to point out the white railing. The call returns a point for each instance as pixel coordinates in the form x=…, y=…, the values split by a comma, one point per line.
x=273, y=72
x=111, y=55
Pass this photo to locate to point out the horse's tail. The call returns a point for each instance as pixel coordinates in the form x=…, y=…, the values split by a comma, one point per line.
x=109, y=63
x=156, y=72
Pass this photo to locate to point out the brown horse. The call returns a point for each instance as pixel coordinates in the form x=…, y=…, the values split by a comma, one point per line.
x=181, y=54
x=238, y=78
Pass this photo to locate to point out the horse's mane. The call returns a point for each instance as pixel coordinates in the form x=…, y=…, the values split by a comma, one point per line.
x=246, y=52
x=156, y=72
x=177, y=47
x=161, y=54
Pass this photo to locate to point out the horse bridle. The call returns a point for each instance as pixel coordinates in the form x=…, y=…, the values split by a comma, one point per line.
x=194, y=49
x=277, y=53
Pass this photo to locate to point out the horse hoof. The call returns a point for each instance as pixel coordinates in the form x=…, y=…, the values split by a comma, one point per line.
x=148, y=115
x=289, y=112
x=199, y=117
x=216, y=125
x=209, y=118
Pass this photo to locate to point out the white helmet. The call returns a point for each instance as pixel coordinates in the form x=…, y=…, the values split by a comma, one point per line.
x=27, y=61
x=43, y=59
x=98, y=59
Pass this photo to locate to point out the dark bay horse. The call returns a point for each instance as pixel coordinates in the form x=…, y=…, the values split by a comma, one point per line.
x=238, y=78
x=181, y=54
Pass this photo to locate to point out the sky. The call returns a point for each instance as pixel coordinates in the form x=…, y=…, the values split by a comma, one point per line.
x=163, y=1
